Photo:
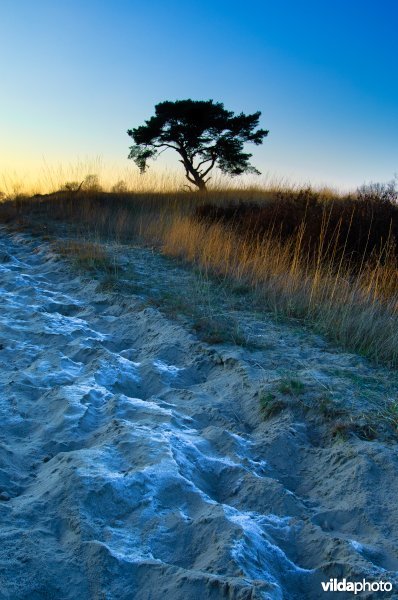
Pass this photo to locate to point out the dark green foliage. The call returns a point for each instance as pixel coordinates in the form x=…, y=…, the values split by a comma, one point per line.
x=203, y=133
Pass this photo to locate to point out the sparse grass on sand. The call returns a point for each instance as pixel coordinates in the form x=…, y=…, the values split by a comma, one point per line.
x=325, y=259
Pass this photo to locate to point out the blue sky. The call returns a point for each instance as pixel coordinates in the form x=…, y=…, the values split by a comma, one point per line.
x=75, y=75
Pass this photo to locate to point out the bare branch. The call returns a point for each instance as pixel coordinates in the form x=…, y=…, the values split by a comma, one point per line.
x=202, y=163
x=211, y=149
x=213, y=162
x=188, y=177
x=161, y=152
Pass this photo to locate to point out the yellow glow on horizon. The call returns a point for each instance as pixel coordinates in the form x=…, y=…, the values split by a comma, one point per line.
x=32, y=175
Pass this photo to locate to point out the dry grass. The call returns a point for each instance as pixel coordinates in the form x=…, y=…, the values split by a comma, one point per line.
x=51, y=177
x=357, y=311
x=349, y=296
x=87, y=256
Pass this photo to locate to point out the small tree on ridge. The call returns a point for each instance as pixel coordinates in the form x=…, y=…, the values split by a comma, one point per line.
x=203, y=133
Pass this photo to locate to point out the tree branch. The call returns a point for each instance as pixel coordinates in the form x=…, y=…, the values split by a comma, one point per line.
x=190, y=178
x=202, y=163
x=188, y=165
x=213, y=162
x=187, y=174
x=161, y=152
x=162, y=145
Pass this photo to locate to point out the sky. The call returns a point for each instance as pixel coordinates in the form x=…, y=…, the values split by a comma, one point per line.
x=75, y=75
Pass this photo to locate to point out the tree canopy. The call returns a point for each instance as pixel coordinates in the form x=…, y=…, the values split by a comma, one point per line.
x=204, y=134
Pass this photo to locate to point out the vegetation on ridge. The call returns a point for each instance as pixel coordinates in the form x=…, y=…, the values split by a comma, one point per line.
x=328, y=260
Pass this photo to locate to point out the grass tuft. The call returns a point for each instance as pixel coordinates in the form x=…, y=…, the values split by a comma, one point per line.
x=291, y=387
x=271, y=405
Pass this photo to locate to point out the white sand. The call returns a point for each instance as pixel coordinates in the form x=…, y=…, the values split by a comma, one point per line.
x=134, y=462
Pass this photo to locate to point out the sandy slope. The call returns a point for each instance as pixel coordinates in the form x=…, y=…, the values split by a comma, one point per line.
x=134, y=462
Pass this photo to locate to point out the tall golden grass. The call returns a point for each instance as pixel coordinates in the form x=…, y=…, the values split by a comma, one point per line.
x=357, y=311
x=356, y=308
x=51, y=177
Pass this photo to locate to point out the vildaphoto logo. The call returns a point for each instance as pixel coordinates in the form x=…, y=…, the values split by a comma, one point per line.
x=342, y=585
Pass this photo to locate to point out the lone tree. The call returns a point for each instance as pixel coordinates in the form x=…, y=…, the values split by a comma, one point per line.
x=203, y=133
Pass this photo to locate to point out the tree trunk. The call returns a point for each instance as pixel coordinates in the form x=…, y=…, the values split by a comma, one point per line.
x=198, y=180
x=201, y=185
x=192, y=174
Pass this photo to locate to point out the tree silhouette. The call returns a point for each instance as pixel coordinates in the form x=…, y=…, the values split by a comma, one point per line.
x=203, y=133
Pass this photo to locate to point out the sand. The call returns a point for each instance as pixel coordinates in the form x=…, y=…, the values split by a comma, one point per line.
x=135, y=461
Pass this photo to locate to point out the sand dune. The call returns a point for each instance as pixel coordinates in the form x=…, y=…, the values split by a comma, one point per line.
x=134, y=461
